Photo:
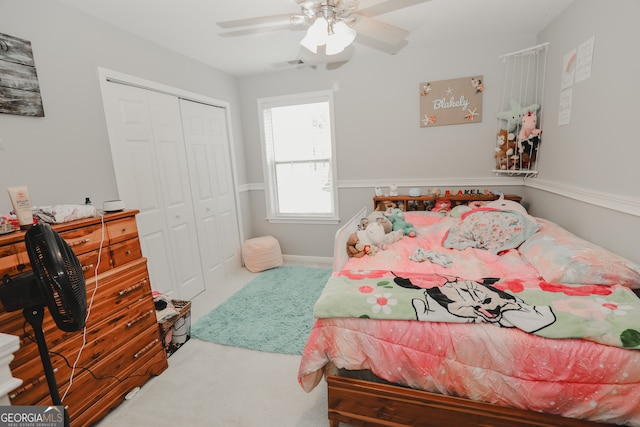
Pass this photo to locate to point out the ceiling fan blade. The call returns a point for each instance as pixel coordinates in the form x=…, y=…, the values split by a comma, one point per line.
x=260, y=20
x=391, y=49
x=380, y=31
x=258, y=30
x=388, y=6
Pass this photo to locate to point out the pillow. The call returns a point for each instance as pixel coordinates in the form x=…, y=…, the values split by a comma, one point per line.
x=490, y=229
x=562, y=257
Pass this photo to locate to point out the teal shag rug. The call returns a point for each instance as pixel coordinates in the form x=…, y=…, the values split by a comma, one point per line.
x=272, y=313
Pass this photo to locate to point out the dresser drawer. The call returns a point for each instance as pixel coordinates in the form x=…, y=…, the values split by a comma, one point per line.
x=122, y=229
x=101, y=339
x=90, y=260
x=125, y=252
x=9, y=261
x=85, y=239
x=139, y=357
x=117, y=288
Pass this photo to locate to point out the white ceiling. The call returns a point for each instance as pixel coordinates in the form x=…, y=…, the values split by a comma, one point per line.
x=189, y=26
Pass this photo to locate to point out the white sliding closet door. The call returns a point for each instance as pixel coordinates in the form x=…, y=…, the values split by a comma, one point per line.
x=206, y=142
x=152, y=174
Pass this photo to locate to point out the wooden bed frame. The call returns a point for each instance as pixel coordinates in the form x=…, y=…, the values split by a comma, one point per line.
x=367, y=403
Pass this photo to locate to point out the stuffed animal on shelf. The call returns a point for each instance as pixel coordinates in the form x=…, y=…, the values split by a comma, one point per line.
x=396, y=216
x=507, y=153
x=528, y=150
x=528, y=129
x=513, y=116
x=442, y=205
x=385, y=204
x=352, y=249
x=529, y=139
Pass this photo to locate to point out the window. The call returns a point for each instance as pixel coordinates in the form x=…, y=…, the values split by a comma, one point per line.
x=298, y=154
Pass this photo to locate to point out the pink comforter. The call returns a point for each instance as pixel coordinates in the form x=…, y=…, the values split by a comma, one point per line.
x=572, y=378
x=569, y=377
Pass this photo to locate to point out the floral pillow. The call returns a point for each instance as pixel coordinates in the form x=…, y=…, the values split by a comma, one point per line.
x=562, y=257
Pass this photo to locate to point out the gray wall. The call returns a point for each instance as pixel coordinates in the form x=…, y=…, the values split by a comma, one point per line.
x=594, y=157
x=65, y=156
x=379, y=138
x=380, y=142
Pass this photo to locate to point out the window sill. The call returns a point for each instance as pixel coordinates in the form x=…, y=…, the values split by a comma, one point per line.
x=298, y=220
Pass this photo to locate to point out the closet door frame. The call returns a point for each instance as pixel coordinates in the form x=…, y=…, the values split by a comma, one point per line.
x=107, y=76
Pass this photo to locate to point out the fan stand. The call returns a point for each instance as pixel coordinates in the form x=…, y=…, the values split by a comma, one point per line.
x=35, y=317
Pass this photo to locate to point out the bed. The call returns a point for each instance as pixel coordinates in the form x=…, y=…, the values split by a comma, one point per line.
x=449, y=328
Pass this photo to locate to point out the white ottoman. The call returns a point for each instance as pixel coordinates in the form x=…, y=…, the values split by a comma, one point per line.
x=261, y=253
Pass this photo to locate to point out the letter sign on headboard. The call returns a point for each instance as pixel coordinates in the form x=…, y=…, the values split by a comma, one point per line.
x=451, y=102
x=19, y=88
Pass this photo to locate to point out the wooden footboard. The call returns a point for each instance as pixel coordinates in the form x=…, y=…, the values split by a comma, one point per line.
x=368, y=404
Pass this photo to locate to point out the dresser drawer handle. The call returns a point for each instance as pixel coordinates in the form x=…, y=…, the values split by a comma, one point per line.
x=87, y=267
x=79, y=242
x=25, y=388
x=127, y=252
x=145, y=349
x=139, y=318
x=130, y=289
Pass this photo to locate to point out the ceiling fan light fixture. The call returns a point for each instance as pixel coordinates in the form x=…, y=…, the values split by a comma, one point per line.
x=342, y=36
x=316, y=35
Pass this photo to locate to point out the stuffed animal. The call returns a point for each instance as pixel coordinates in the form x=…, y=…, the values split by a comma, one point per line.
x=507, y=153
x=510, y=205
x=379, y=238
x=528, y=150
x=513, y=116
x=364, y=243
x=396, y=216
x=529, y=123
x=384, y=205
x=363, y=223
x=377, y=216
x=352, y=243
x=442, y=205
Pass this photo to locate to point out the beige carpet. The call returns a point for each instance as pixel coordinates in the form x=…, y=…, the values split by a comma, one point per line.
x=211, y=385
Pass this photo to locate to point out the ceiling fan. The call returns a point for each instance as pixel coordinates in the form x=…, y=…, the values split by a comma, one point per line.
x=332, y=25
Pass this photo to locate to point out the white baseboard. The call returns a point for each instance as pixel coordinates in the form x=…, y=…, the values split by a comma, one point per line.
x=308, y=260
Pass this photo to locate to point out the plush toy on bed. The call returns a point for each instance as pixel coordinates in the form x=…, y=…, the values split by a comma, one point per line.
x=510, y=205
x=380, y=239
x=365, y=244
x=396, y=216
x=442, y=206
x=352, y=247
x=380, y=218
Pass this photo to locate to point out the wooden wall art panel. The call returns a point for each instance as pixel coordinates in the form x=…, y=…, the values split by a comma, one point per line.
x=19, y=88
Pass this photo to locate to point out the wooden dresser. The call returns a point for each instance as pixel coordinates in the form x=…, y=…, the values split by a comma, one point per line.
x=123, y=348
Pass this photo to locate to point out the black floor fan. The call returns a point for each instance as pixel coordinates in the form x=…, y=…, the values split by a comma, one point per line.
x=57, y=281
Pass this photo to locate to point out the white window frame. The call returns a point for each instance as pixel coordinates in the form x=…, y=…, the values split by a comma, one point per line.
x=268, y=166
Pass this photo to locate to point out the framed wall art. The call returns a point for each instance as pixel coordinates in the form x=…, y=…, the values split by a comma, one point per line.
x=19, y=88
x=451, y=102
